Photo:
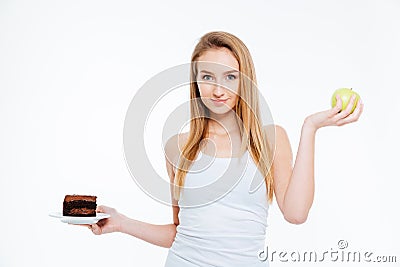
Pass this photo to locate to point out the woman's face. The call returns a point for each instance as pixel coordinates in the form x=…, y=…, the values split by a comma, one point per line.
x=218, y=79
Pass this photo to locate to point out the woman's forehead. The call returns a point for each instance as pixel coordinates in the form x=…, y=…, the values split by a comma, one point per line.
x=215, y=68
x=217, y=61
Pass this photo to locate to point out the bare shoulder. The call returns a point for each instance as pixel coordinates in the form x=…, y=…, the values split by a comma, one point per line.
x=275, y=133
x=174, y=146
x=280, y=132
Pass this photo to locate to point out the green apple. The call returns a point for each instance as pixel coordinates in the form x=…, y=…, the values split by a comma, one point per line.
x=345, y=94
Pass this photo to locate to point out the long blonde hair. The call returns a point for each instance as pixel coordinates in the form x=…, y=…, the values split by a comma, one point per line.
x=247, y=109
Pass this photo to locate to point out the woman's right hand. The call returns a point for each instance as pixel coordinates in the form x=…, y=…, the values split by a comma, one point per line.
x=109, y=225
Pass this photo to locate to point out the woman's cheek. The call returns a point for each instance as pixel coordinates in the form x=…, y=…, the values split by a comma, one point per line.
x=205, y=90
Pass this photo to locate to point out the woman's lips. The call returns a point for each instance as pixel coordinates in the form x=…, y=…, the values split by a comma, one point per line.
x=219, y=102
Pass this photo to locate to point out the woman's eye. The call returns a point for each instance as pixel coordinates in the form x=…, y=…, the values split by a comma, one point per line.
x=231, y=77
x=207, y=77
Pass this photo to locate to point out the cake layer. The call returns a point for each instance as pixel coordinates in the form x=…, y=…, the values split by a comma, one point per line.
x=79, y=204
x=80, y=197
x=83, y=212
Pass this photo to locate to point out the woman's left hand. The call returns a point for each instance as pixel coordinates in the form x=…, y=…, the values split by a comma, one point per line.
x=334, y=116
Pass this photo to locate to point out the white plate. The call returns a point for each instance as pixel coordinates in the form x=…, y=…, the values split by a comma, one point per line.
x=79, y=220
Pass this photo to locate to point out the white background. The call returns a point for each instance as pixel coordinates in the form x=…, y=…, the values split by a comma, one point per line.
x=69, y=69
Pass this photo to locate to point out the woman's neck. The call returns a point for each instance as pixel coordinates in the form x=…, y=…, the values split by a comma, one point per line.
x=223, y=124
x=224, y=139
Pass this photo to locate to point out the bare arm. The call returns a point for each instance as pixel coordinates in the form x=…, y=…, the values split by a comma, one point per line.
x=294, y=186
x=159, y=235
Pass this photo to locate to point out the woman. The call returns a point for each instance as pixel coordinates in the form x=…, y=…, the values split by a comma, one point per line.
x=223, y=224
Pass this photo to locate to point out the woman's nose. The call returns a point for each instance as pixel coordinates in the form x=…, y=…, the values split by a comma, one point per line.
x=218, y=90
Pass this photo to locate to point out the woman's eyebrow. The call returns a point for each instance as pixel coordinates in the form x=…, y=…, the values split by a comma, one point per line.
x=227, y=72
x=206, y=71
x=231, y=71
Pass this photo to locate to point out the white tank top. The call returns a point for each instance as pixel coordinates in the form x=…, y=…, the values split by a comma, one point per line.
x=222, y=219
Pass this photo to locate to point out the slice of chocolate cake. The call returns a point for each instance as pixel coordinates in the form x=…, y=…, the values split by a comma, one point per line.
x=79, y=206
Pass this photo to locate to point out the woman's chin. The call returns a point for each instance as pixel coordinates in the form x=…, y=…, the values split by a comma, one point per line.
x=224, y=110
